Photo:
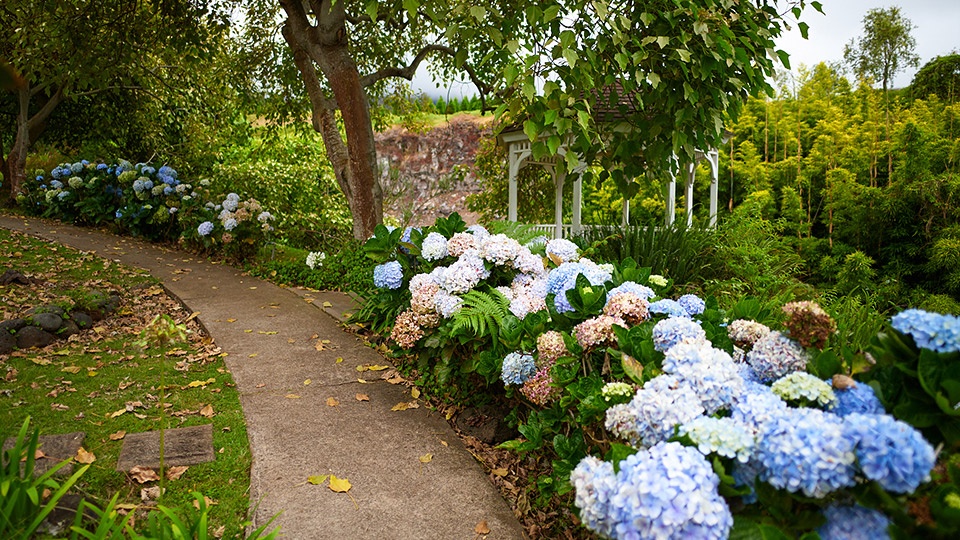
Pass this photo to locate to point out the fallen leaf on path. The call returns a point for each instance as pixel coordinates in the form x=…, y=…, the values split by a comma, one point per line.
x=231, y=320
x=270, y=333
x=362, y=381
x=339, y=359
x=207, y=411
x=395, y=380
x=339, y=485
x=327, y=304
x=261, y=385
x=322, y=345
x=363, y=397
x=426, y=458
x=118, y=435
x=307, y=382
x=332, y=402
x=248, y=331
x=174, y=473
x=253, y=355
x=292, y=396
x=414, y=393
x=482, y=528
x=317, y=479
x=404, y=405
x=371, y=367
x=192, y=316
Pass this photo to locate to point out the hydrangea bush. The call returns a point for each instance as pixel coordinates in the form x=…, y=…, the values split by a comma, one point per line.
x=665, y=416
x=143, y=200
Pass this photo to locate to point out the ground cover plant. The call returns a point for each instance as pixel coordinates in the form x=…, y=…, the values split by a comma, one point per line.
x=667, y=415
x=104, y=383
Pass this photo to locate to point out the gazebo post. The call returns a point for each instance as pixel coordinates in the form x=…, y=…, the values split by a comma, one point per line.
x=714, y=159
x=577, y=203
x=559, y=176
x=688, y=203
x=671, y=200
x=512, y=190
x=626, y=212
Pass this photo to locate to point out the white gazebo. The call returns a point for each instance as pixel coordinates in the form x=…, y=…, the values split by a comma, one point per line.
x=519, y=155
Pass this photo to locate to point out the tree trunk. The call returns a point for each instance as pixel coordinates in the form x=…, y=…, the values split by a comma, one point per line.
x=13, y=165
x=354, y=161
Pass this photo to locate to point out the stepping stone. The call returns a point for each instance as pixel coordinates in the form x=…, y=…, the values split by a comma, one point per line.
x=56, y=448
x=181, y=446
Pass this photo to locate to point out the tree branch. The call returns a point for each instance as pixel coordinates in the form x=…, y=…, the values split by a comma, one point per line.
x=408, y=71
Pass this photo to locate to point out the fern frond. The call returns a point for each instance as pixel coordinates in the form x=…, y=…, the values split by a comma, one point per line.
x=521, y=232
x=481, y=313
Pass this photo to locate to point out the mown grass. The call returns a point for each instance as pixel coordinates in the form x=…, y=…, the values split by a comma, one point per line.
x=103, y=382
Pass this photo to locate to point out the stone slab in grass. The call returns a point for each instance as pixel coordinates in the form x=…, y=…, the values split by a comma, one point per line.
x=181, y=446
x=55, y=448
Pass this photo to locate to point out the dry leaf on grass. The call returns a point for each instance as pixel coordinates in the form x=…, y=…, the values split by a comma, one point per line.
x=118, y=435
x=207, y=411
x=150, y=493
x=85, y=457
x=143, y=474
x=499, y=472
x=174, y=473
x=207, y=500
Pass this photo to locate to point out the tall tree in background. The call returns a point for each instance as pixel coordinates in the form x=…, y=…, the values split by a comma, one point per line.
x=885, y=48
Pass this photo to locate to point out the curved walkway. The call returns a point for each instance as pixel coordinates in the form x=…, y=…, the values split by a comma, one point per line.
x=295, y=431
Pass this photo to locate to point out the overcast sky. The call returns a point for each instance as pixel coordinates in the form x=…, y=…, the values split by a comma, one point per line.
x=936, y=30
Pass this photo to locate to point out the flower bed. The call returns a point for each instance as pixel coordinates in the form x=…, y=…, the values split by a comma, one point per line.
x=145, y=201
x=671, y=417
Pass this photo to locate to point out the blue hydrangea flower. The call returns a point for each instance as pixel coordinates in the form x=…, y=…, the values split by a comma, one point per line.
x=890, y=451
x=714, y=379
x=644, y=292
x=564, y=277
x=167, y=171
x=205, y=228
x=76, y=168
x=756, y=406
x=722, y=436
x=434, y=247
x=806, y=450
x=692, y=304
x=668, y=491
x=561, y=250
x=774, y=355
x=933, y=331
x=102, y=167
x=594, y=482
x=56, y=184
x=231, y=224
x=39, y=178
x=857, y=398
x=168, y=190
x=465, y=273
x=479, y=231
x=118, y=214
x=853, y=523
x=668, y=307
x=264, y=217
x=229, y=204
x=63, y=195
x=517, y=369
x=446, y=304
x=653, y=413
x=388, y=275
x=673, y=330
x=55, y=173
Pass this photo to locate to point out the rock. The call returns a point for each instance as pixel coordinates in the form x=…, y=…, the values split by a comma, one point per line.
x=68, y=328
x=82, y=320
x=56, y=310
x=8, y=342
x=31, y=336
x=486, y=423
x=12, y=325
x=13, y=276
x=48, y=321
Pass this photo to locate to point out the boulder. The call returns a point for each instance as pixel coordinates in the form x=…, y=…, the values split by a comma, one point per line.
x=50, y=322
x=50, y=308
x=31, y=336
x=12, y=325
x=8, y=342
x=82, y=320
x=68, y=328
x=13, y=276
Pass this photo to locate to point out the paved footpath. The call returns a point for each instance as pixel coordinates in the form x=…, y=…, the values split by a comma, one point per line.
x=270, y=354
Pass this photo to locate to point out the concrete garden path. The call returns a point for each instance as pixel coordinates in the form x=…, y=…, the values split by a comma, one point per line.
x=295, y=430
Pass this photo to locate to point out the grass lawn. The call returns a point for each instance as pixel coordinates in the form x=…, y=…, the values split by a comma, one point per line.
x=102, y=382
